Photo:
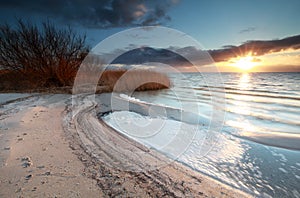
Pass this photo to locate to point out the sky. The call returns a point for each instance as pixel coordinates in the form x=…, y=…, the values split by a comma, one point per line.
x=221, y=27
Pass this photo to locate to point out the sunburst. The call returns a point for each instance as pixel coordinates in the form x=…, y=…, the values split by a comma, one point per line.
x=245, y=63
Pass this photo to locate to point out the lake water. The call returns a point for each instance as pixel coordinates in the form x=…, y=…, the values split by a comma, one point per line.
x=256, y=148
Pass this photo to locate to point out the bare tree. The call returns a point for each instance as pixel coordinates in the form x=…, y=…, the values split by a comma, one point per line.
x=49, y=55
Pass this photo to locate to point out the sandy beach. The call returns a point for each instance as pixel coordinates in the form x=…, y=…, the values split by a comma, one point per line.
x=47, y=150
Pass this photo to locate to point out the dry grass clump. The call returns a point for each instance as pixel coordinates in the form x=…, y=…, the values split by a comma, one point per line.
x=11, y=80
x=111, y=80
x=130, y=80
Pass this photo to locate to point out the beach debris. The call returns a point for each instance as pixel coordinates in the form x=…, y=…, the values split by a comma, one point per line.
x=42, y=166
x=20, y=139
x=6, y=148
x=47, y=173
x=26, y=158
x=26, y=162
x=19, y=190
x=72, y=147
x=24, y=133
x=28, y=177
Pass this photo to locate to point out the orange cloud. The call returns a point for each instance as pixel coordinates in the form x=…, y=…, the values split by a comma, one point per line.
x=256, y=48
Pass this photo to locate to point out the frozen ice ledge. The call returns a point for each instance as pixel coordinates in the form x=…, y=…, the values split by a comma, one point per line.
x=123, y=102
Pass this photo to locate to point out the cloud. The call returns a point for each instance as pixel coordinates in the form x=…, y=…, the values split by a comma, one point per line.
x=257, y=60
x=173, y=55
x=256, y=48
x=98, y=14
x=247, y=30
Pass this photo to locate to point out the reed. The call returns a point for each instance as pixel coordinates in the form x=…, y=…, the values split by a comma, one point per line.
x=110, y=80
x=130, y=80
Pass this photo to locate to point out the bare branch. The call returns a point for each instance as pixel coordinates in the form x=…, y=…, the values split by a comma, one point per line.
x=44, y=51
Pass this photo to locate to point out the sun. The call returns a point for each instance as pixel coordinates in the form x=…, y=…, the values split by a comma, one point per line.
x=245, y=63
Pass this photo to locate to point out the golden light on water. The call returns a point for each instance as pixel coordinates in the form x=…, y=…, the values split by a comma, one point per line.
x=245, y=81
x=241, y=105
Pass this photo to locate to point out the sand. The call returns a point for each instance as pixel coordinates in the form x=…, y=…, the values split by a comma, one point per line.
x=40, y=162
x=48, y=151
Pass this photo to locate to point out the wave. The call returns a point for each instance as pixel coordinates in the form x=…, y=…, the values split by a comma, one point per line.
x=264, y=95
x=249, y=92
x=265, y=106
x=275, y=139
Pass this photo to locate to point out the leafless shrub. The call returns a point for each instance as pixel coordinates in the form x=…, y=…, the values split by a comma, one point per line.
x=44, y=55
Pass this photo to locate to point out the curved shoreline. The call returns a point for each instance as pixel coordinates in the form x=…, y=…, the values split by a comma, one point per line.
x=135, y=168
x=109, y=158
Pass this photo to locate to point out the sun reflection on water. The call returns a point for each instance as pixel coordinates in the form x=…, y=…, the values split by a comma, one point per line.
x=241, y=106
x=245, y=81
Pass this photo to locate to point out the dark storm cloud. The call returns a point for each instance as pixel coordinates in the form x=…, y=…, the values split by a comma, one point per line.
x=98, y=14
x=247, y=30
x=256, y=48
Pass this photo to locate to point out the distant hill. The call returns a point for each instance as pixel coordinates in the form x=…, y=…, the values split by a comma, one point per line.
x=148, y=54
